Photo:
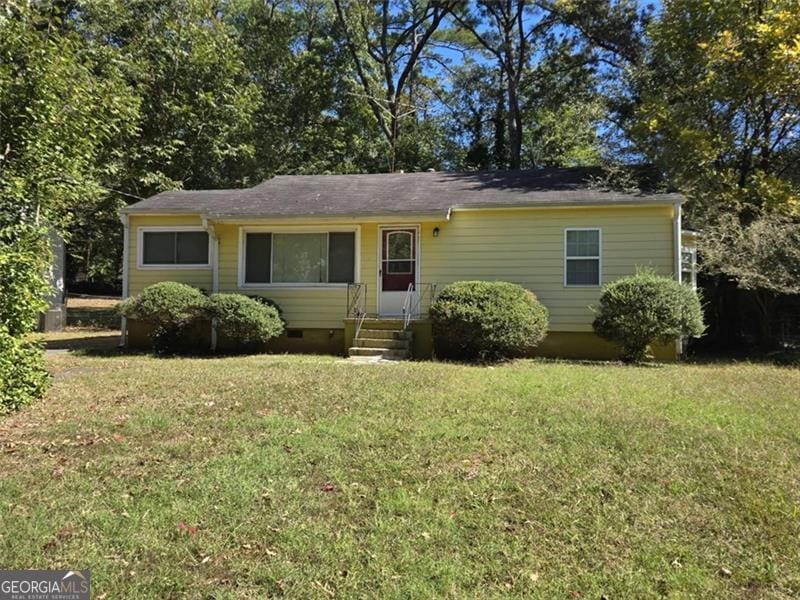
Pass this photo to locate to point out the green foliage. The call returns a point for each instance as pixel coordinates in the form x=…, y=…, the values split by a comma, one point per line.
x=244, y=320
x=24, y=377
x=166, y=304
x=272, y=304
x=727, y=133
x=763, y=255
x=63, y=106
x=172, y=309
x=486, y=320
x=24, y=260
x=647, y=308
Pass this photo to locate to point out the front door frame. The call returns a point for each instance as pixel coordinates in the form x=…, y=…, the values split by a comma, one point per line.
x=417, y=252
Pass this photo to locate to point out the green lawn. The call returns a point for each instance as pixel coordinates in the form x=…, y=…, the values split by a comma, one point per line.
x=314, y=477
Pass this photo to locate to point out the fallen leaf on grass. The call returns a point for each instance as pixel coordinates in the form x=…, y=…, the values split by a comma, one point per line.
x=328, y=487
x=61, y=535
x=188, y=530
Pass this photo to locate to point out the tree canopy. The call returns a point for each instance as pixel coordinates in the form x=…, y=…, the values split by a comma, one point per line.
x=103, y=102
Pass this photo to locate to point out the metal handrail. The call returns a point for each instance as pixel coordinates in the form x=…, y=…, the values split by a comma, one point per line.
x=359, y=323
x=407, y=306
x=357, y=304
x=354, y=294
x=409, y=310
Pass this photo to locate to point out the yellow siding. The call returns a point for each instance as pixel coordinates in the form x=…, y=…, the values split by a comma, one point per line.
x=140, y=278
x=302, y=307
x=527, y=247
x=522, y=246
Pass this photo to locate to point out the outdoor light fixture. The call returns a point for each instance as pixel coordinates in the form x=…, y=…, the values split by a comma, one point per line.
x=435, y=232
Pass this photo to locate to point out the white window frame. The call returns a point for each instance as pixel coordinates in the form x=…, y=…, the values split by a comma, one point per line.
x=140, y=264
x=692, y=270
x=598, y=257
x=412, y=259
x=243, y=231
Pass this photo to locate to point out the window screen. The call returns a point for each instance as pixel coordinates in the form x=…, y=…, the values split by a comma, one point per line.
x=159, y=247
x=258, y=257
x=300, y=257
x=582, y=263
x=341, y=257
x=191, y=248
x=175, y=248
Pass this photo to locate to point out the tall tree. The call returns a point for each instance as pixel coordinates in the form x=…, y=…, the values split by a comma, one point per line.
x=718, y=109
x=503, y=29
x=386, y=41
x=61, y=110
x=308, y=120
x=719, y=104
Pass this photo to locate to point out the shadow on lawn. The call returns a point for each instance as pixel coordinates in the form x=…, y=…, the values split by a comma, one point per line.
x=789, y=358
x=106, y=344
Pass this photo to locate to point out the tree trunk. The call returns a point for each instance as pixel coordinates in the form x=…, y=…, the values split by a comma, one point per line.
x=500, y=145
x=514, y=126
x=764, y=302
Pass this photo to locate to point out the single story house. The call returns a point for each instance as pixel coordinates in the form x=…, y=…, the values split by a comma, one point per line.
x=354, y=261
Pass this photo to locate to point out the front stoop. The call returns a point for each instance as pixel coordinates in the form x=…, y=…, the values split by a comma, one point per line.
x=383, y=339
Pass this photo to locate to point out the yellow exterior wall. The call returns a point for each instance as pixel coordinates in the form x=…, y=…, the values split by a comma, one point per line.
x=525, y=246
x=303, y=307
x=138, y=279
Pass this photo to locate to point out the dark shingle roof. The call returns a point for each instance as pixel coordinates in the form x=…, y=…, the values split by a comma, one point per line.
x=398, y=193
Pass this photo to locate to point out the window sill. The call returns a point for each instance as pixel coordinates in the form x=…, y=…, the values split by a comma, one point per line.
x=294, y=286
x=172, y=267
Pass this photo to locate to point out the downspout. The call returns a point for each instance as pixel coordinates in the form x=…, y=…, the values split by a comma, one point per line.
x=126, y=228
x=212, y=237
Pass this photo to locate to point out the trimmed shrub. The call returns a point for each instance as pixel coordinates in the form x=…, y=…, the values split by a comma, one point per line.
x=646, y=308
x=270, y=302
x=172, y=308
x=24, y=377
x=244, y=320
x=486, y=320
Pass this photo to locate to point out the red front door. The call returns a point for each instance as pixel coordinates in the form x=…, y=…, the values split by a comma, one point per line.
x=398, y=259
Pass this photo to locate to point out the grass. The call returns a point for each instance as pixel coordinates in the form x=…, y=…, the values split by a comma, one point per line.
x=97, y=312
x=252, y=477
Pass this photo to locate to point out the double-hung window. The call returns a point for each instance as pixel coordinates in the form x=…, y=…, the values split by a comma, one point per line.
x=179, y=248
x=303, y=258
x=689, y=265
x=582, y=257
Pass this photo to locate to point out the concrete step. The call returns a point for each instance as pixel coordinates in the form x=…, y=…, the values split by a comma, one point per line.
x=384, y=334
x=388, y=353
x=366, y=342
x=394, y=324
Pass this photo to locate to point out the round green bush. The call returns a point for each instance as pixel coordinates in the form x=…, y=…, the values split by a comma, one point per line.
x=244, y=320
x=486, y=320
x=646, y=308
x=270, y=302
x=24, y=376
x=172, y=308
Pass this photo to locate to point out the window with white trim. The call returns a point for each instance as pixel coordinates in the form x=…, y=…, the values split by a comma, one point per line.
x=582, y=257
x=689, y=265
x=300, y=258
x=174, y=248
